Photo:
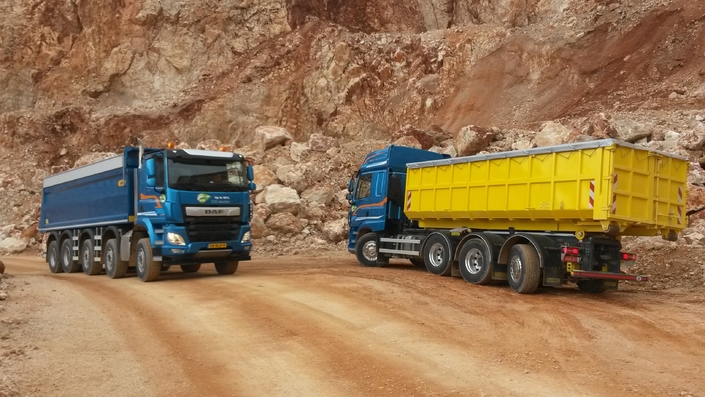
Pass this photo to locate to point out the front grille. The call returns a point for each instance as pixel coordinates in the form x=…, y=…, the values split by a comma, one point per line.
x=202, y=229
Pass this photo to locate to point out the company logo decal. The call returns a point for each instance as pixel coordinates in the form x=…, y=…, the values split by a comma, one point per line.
x=203, y=197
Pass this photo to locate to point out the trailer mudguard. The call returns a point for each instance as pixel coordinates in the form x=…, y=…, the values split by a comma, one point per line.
x=548, y=251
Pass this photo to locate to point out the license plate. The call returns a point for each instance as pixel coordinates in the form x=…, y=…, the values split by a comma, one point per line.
x=217, y=245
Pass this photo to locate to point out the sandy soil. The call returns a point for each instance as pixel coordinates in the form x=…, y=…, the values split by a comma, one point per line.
x=324, y=326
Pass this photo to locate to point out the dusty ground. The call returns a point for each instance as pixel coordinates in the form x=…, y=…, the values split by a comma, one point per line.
x=324, y=326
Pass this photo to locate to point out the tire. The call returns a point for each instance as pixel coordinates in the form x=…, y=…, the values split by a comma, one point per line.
x=436, y=255
x=53, y=258
x=191, y=268
x=418, y=262
x=366, y=251
x=88, y=263
x=226, y=267
x=165, y=267
x=147, y=268
x=114, y=267
x=475, y=262
x=67, y=262
x=523, y=269
x=591, y=286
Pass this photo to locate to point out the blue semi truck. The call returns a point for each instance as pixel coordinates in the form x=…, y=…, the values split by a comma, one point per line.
x=149, y=208
x=538, y=217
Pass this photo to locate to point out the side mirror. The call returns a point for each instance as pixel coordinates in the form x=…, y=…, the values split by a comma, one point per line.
x=250, y=174
x=350, y=185
x=253, y=186
x=149, y=165
x=151, y=179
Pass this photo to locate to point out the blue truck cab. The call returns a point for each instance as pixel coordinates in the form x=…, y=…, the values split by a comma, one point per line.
x=376, y=196
x=149, y=208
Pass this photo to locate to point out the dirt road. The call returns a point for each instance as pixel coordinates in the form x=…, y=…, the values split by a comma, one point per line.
x=324, y=326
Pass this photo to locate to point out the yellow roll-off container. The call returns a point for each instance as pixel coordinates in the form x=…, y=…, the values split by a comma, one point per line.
x=605, y=186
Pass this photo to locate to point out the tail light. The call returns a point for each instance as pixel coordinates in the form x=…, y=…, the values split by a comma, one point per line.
x=628, y=257
x=570, y=254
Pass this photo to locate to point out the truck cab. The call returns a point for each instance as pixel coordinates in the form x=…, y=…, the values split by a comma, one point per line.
x=195, y=205
x=377, y=191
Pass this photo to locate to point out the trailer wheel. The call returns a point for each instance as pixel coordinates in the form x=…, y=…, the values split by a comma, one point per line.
x=226, y=267
x=114, y=267
x=53, y=258
x=147, y=268
x=366, y=250
x=88, y=262
x=591, y=286
x=67, y=262
x=474, y=261
x=436, y=254
x=191, y=268
x=523, y=270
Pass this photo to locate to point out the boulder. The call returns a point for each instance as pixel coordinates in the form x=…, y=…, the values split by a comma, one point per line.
x=472, y=139
x=692, y=140
x=629, y=130
x=270, y=136
x=284, y=223
x=319, y=194
x=321, y=143
x=280, y=198
x=552, y=133
x=264, y=177
x=259, y=218
x=409, y=141
x=292, y=176
x=298, y=151
x=336, y=230
x=13, y=245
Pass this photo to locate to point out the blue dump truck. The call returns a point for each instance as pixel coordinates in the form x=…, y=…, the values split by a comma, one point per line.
x=538, y=217
x=149, y=209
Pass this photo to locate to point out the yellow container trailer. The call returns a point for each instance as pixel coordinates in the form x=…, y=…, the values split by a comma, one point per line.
x=543, y=216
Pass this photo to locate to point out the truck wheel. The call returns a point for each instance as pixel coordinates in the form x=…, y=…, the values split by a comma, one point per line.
x=366, y=250
x=88, y=263
x=147, y=268
x=418, y=262
x=114, y=267
x=523, y=270
x=190, y=268
x=436, y=254
x=474, y=262
x=53, y=258
x=591, y=286
x=67, y=262
x=226, y=267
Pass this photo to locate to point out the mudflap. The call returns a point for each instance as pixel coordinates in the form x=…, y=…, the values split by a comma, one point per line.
x=610, y=284
x=553, y=274
x=499, y=272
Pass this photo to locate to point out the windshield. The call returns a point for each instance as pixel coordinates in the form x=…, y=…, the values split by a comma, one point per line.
x=211, y=175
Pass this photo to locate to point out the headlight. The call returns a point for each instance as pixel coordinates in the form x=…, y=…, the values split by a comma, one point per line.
x=246, y=237
x=175, y=239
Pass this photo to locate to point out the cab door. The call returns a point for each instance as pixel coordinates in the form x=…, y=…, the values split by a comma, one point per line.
x=369, y=204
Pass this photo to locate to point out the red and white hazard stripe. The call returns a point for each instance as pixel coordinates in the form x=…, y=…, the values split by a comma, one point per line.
x=591, y=200
x=680, y=208
x=614, y=194
x=408, y=201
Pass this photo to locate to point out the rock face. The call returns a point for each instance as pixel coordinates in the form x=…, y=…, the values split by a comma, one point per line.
x=306, y=88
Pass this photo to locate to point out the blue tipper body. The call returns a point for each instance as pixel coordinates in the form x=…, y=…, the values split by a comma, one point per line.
x=170, y=196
